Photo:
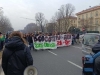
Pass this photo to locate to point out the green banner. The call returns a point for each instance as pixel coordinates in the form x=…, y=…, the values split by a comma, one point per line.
x=45, y=45
x=38, y=45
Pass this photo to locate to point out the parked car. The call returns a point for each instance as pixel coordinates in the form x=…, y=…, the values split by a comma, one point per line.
x=88, y=42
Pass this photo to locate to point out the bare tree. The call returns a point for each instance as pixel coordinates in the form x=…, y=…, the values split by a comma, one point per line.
x=1, y=11
x=85, y=24
x=66, y=12
x=45, y=25
x=58, y=17
x=39, y=19
x=54, y=25
x=5, y=24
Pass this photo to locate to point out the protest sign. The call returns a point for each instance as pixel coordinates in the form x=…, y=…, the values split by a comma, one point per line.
x=52, y=42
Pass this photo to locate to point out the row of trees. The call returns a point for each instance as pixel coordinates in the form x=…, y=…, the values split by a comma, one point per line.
x=65, y=12
x=5, y=24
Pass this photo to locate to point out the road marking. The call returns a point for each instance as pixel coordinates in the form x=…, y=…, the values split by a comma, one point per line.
x=52, y=53
x=77, y=47
x=85, y=51
x=81, y=48
x=75, y=64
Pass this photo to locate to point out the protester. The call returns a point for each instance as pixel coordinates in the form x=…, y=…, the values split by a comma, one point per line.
x=16, y=55
x=77, y=38
x=30, y=41
x=36, y=37
x=2, y=39
x=7, y=37
x=46, y=37
x=73, y=39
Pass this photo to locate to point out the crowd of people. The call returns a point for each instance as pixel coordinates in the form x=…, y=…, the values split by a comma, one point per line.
x=16, y=48
x=37, y=37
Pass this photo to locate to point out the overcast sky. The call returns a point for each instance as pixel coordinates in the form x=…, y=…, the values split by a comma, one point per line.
x=14, y=9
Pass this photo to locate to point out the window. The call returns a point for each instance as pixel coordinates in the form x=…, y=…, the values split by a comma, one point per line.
x=82, y=16
x=96, y=13
x=96, y=21
x=86, y=16
x=96, y=28
x=74, y=21
x=79, y=18
x=91, y=15
x=90, y=39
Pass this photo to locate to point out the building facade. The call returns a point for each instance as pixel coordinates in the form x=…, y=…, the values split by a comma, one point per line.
x=89, y=19
x=63, y=24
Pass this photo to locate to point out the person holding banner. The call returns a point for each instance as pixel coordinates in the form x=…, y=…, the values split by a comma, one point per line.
x=41, y=37
x=46, y=37
x=16, y=55
x=36, y=37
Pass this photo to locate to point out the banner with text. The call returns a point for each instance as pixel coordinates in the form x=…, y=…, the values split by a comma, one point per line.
x=52, y=42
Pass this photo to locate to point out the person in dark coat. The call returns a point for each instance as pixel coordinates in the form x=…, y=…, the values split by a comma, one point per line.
x=30, y=41
x=77, y=38
x=16, y=55
x=40, y=37
x=2, y=39
x=35, y=37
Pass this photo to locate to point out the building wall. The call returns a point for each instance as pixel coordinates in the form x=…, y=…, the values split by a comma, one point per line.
x=93, y=17
x=60, y=27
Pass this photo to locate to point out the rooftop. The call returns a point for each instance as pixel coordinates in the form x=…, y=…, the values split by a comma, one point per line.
x=88, y=10
x=70, y=17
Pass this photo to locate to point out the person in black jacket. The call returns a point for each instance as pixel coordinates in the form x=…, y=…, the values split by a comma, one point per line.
x=16, y=55
x=30, y=41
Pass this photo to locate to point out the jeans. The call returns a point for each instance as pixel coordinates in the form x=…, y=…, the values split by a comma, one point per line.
x=31, y=46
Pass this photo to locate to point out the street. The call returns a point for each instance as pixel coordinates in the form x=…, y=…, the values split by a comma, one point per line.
x=62, y=61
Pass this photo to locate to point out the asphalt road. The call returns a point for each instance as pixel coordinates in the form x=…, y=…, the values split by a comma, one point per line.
x=62, y=61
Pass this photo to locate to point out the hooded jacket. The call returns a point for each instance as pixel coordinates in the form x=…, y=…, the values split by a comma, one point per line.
x=16, y=57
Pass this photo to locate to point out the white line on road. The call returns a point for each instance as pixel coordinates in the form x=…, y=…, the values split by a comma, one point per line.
x=77, y=47
x=82, y=50
x=75, y=64
x=86, y=52
x=52, y=53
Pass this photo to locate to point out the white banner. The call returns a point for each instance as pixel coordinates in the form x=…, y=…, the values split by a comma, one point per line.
x=52, y=42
